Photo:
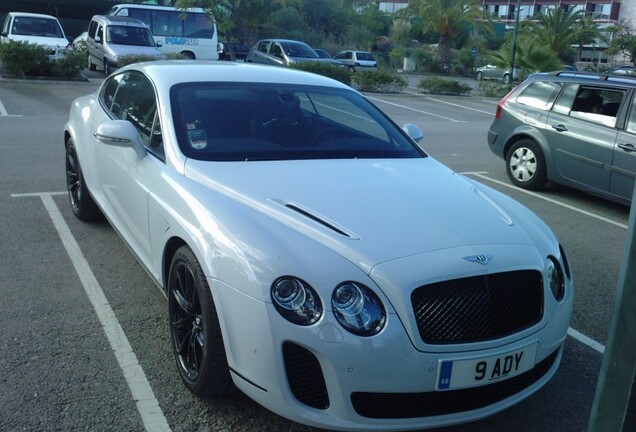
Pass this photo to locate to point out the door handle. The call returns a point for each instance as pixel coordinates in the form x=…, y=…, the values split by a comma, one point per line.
x=627, y=147
x=559, y=128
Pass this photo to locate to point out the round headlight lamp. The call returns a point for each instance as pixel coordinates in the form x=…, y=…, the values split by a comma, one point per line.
x=358, y=309
x=296, y=300
x=555, y=278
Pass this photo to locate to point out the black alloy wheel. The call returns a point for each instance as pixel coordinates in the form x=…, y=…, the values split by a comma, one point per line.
x=195, y=331
x=82, y=203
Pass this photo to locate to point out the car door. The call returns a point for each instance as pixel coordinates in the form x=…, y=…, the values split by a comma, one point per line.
x=581, y=136
x=125, y=178
x=624, y=163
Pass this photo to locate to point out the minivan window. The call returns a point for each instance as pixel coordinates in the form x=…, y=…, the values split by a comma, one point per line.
x=597, y=105
x=539, y=94
x=631, y=122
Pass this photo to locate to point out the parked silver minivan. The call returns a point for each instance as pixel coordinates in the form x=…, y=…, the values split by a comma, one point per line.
x=281, y=52
x=112, y=37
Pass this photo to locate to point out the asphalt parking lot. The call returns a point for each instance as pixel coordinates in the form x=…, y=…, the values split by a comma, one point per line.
x=58, y=370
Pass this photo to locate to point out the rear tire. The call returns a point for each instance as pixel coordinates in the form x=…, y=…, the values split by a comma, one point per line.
x=197, y=342
x=506, y=79
x=91, y=65
x=480, y=76
x=525, y=165
x=82, y=203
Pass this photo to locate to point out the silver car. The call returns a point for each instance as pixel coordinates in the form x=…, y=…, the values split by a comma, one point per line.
x=493, y=72
x=281, y=52
x=573, y=128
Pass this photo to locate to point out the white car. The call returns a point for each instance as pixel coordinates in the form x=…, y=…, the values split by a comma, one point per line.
x=312, y=254
x=38, y=29
x=357, y=60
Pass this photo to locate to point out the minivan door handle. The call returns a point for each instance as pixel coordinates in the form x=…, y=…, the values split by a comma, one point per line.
x=628, y=147
x=559, y=128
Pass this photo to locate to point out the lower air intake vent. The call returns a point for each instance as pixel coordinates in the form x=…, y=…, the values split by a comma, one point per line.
x=305, y=376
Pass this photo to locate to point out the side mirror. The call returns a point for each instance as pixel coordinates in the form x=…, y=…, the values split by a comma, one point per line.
x=98, y=39
x=120, y=133
x=158, y=43
x=414, y=132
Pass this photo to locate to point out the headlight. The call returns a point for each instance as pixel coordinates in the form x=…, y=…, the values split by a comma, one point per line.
x=555, y=278
x=358, y=309
x=296, y=301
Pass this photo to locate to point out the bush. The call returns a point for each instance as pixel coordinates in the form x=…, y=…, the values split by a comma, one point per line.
x=72, y=64
x=326, y=69
x=378, y=81
x=443, y=86
x=22, y=58
x=493, y=89
x=423, y=58
x=133, y=58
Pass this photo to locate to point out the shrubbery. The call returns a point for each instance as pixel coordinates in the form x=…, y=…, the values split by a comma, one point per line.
x=22, y=58
x=326, y=69
x=443, y=86
x=493, y=89
x=378, y=81
x=134, y=58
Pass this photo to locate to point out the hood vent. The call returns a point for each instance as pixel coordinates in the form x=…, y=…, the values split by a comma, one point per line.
x=320, y=220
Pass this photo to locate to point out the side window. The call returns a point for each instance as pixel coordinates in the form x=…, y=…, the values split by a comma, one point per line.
x=100, y=33
x=539, y=94
x=135, y=101
x=597, y=105
x=92, y=29
x=262, y=47
x=276, y=50
x=107, y=96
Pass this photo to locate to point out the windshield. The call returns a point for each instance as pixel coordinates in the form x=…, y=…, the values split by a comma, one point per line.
x=242, y=122
x=29, y=26
x=299, y=50
x=128, y=35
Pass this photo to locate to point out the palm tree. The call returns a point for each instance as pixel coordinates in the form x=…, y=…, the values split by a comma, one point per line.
x=530, y=56
x=559, y=30
x=448, y=18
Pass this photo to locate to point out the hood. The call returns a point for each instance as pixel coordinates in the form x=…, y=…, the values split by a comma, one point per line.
x=368, y=210
x=49, y=42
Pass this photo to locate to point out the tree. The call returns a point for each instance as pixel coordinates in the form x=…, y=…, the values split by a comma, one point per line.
x=559, y=30
x=449, y=18
x=530, y=56
x=623, y=40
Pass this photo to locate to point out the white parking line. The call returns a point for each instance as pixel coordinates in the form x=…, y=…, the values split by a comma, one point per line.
x=460, y=106
x=416, y=110
x=550, y=200
x=4, y=113
x=147, y=405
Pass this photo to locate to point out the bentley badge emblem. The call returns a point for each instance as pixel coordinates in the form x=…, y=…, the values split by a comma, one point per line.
x=481, y=259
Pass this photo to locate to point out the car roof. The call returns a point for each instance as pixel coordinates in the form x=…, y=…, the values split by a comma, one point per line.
x=587, y=77
x=120, y=20
x=31, y=15
x=166, y=73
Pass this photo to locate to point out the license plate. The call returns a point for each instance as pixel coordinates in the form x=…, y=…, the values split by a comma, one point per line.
x=455, y=374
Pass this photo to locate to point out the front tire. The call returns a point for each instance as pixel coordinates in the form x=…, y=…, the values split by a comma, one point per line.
x=506, y=79
x=82, y=203
x=480, y=76
x=195, y=331
x=525, y=165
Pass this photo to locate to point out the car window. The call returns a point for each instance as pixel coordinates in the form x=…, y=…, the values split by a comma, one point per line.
x=135, y=101
x=35, y=26
x=239, y=122
x=539, y=94
x=365, y=56
x=597, y=105
x=129, y=35
x=262, y=47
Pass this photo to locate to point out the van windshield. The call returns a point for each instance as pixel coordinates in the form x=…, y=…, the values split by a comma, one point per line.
x=32, y=26
x=127, y=35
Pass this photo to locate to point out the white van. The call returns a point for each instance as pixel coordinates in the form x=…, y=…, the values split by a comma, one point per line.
x=190, y=33
x=38, y=29
x=109, y=38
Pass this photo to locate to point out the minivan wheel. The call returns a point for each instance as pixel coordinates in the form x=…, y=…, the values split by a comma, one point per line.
x=107, y=68
x=480, y=76
x=506, y=79
x=91, y=65
x=525, y=165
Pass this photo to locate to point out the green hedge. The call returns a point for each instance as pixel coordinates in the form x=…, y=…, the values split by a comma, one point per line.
x=443, y=86
x=22, y=59
x=378, y=81
x=326, y=69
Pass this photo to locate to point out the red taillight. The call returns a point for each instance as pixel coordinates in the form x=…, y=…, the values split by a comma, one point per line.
x=501, y=104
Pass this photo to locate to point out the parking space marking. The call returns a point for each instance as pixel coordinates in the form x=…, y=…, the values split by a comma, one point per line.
x=460, y=106
x=147, y=405
x=416, y=110
x=550, y=200
x=4, y=113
